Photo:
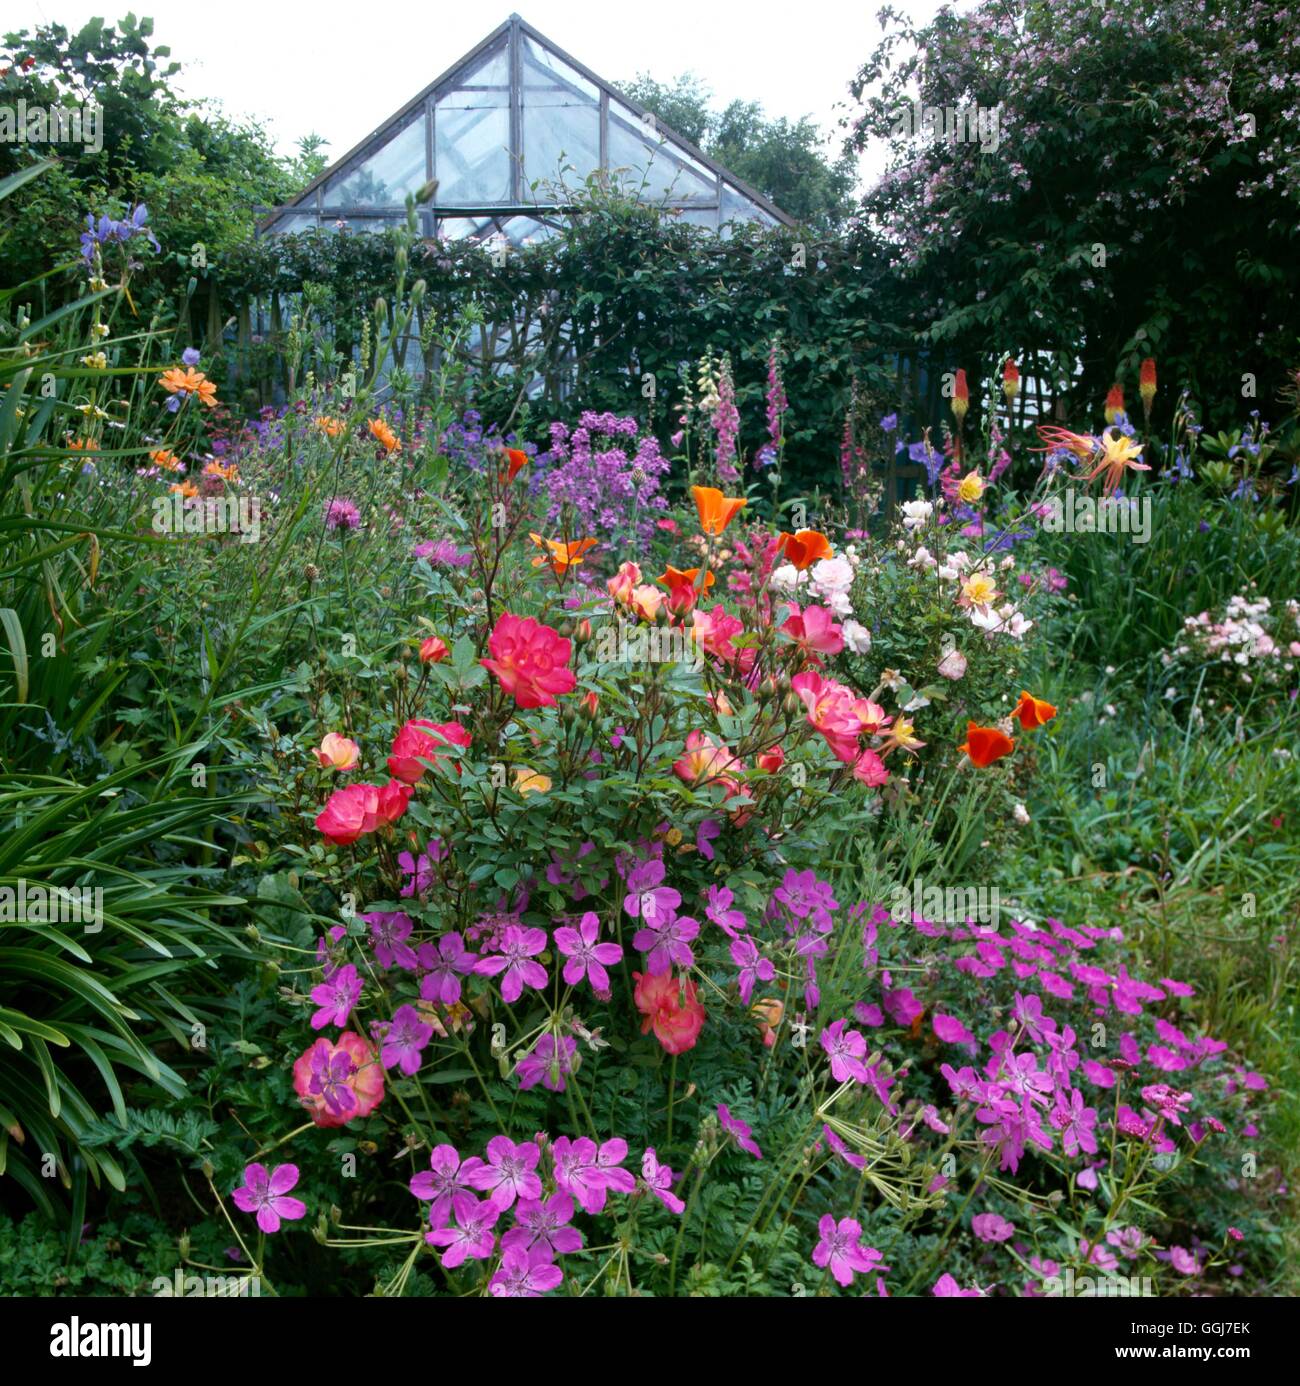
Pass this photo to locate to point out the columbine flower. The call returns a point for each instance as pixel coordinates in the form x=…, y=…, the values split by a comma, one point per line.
x=266, y=1194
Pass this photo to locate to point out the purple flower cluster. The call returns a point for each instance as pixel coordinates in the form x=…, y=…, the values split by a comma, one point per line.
x=606, y=474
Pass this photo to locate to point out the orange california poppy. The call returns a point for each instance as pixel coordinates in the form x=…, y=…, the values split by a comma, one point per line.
x=684, y=577
x=518, y=460
x=716, y=510
x=385, y=435
x=984, y=745
x=186, y=489
x=165, y=459
x=329, y=425
x=1033, y=712
x=806, y=547
x=562, y=556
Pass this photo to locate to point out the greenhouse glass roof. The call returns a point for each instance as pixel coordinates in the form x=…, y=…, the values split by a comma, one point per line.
x=510, y=133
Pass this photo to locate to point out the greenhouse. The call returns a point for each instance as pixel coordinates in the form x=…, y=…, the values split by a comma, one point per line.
x=509, y=133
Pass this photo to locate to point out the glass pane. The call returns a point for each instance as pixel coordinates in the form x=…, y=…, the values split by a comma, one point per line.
x=561, y=117
x=703, y=216
x=647, y=164
x=465, y=228
x=471, y=156
x=737, y=207
x=385, y=178
x=526, y=230
x=290, y=225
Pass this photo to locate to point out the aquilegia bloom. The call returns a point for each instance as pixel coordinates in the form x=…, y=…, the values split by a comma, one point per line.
x=266, y=1194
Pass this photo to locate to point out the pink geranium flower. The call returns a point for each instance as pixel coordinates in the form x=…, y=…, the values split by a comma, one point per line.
x=266, y=1194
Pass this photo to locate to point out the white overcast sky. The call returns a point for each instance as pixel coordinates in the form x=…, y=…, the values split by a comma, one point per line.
x=340, y=67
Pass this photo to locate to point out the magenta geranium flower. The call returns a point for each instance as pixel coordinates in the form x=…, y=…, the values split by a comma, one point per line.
x=266, y=1194
x=665, y=940
x=336, y=996
x=647, y=898
x=444, y=965
x=518, y=948
x=446, y=1176
x=472, y=1237
x=739, y=1131
x=753, y=967
x=544, y=1224
x=548, y=1063
x=719, y=910
x=585, y=955
x=509, y=1171
x=525, y=1274
x=588, y=1172
x=402, y=1040
x=659, y=1181
x=841, y=1249
x=991, y=1227
x=846, y=1050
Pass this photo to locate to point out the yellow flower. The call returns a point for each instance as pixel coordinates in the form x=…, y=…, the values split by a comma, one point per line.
x=530, y=782
x=980, y=591
x=971, y=488
x=97, y=361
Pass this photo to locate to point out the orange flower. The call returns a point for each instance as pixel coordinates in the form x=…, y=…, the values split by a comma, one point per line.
x=984, y=745
x=1114, y=403
x=716, y=510
x=768, y=1013
x=385, y=435
x=1147, y=382
x=684, y=577
x=518, y=460
x=805, y=548
x=563, y=556
x=187, y=489
x=1082, y=445
x=168, y=461
x=1033, y=712
x=433, y=650
x=329, y=426
x=960, y=398
x=1010, y=380
x=225, y=471
x=189, y=382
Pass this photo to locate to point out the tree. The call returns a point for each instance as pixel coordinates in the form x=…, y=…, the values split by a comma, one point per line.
x=784, y=160
x=1133, y=194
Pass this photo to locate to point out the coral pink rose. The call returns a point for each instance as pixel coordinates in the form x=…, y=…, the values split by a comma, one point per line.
x=531, y=661
x=622, y=584
x=832, y=711
x=339, y=1082
x=417, y=741
x=392, y=802
x=336, y=752
x=771, y=760
x=349, y=813
x=671, y=1009
x=814, y=631
x=433, y=650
